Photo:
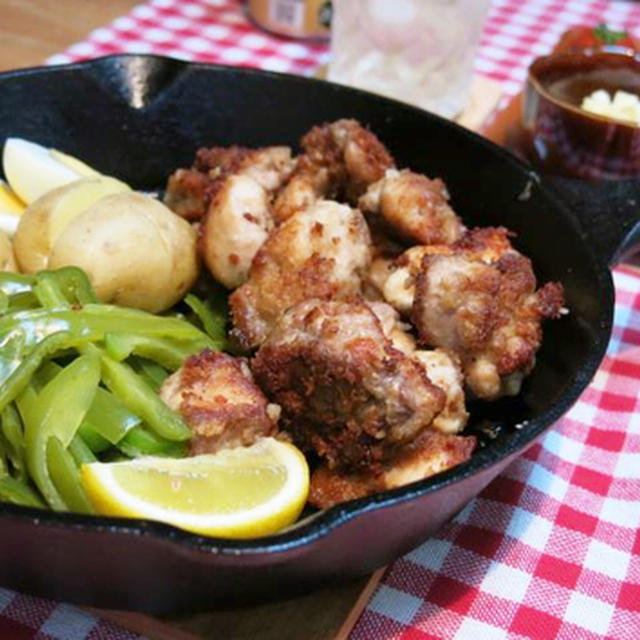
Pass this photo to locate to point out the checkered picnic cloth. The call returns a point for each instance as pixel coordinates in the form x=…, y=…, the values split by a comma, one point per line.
x=552, y=547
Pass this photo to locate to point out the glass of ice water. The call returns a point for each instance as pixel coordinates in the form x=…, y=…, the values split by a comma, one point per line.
x=417, y=51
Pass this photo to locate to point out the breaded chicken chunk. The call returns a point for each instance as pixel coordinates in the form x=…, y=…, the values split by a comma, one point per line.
x=237, y=222
x=339, y=160
x=412, y=207
x=488, y=313
x=217, y=397
x=430, y=453
x=346, y=393
x=320, y=252
x=189, y=191
x=443, y=368
x=395, y=279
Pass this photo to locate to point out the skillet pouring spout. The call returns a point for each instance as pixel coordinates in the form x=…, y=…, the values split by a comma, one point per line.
x=138, y=118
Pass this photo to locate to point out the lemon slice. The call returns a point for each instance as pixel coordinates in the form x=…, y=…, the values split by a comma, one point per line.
x=32, y=170
x=235, y=493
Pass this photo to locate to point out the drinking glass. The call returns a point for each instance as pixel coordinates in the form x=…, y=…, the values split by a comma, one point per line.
x=417, y=51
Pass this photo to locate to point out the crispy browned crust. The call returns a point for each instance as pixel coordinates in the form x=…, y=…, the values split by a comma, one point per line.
x=218, y=399
x=190, y=191
x=412, y=208
x=254, y=309
x=338, y=161
x=346, y=393
x=491, y=311
x=431, y=453
x=187, y=193
x=281, y=275
x=485, y=243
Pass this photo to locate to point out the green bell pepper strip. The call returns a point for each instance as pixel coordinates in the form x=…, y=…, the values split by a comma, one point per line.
x=139, y=442
x=93, y=439
x=48, y=293
x=80, y=451
x=141, y=400
x=170, y=354
x=66, y=477
x=14, y=437
x=106, y=421
x=59, y=410
x=4, y=302
x=152, y=372
x=213, y=319
x=11, y=352
x=19, y=379
x=73, y=283
x=108, y=417
x=17, y=492
x=27, y=403
x=4, y=469
x=92, y=321
x=12, y=283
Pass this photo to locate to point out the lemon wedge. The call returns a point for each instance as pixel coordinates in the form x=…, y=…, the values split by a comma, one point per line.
x=235, y=493
x=32, y=170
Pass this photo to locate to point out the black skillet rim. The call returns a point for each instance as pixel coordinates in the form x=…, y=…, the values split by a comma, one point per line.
x=322, y=524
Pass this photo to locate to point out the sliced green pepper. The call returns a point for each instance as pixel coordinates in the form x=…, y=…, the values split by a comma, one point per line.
x=59, y=410
x=17, y=492
x=80, y=451
x=19, y=379
x=152, y=372
x=212, y=313
x=140, y=399
x=14, y=437
x=167, y=352
x=66, y=476
x=140, y=442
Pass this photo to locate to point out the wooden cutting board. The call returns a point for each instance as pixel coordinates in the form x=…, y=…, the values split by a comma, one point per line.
x=325, y=614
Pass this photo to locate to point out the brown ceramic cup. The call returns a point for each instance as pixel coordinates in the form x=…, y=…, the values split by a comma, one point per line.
x=560, y=137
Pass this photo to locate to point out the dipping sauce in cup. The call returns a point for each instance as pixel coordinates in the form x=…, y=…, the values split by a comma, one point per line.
x=561, y=137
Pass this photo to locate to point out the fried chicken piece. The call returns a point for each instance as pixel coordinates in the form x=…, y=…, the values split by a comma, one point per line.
x=396, y=279
x=489, y=313
x=237, y=222
x=443, y=368
x=338, y=161
x=430, y=453
x=189, y=191
x=412, y=207
x=320, y=252
x=346, y=393
x=217, y=397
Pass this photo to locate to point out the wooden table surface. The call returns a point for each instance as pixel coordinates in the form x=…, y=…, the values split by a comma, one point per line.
x=33, y=30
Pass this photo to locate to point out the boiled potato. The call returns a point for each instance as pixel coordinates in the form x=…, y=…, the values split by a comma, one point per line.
x=7, y=261
x=46, y=218
x=136, y=251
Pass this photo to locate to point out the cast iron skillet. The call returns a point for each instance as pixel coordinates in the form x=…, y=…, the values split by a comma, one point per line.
x=138, y=118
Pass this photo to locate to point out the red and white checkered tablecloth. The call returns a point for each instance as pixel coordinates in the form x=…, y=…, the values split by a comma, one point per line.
x=551, y=549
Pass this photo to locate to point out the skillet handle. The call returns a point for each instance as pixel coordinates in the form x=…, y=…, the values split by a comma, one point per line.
x=608, y=212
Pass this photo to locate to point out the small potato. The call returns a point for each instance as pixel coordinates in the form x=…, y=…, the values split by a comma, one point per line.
x=7, y=260
x=136, y=251
x=46, y=218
